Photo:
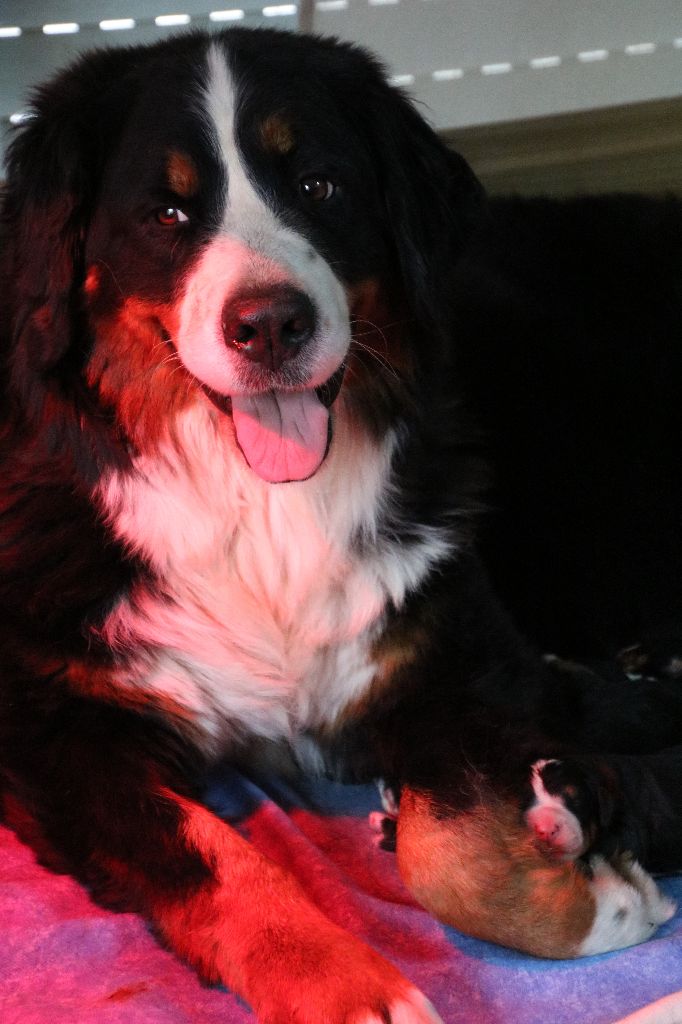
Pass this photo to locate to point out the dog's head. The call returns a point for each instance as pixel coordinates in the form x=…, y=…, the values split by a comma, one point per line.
x=238, y=219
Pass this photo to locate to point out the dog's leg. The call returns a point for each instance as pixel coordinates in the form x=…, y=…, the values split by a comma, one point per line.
x=251, y=927
x=480, y=871
x=106, y=789
x=239, y=919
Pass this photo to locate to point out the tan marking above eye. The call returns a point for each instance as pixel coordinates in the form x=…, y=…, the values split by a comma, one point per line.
x=277, y=135
x=182, y=174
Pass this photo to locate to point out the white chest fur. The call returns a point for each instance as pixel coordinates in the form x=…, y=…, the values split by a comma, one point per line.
x=263, y=616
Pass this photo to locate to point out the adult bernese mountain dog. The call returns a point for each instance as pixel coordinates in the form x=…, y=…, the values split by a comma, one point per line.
x=310, y=458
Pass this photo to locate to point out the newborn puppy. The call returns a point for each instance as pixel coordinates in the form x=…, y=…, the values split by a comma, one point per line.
x=525, y=880
x=544, y=855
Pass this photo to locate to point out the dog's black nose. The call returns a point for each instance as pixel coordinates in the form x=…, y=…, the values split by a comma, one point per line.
x=269, y=327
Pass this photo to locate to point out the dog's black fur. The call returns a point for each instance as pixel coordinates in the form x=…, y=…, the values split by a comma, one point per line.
x=545, y=358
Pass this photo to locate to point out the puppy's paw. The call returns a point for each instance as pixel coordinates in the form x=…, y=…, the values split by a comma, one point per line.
x=384, y=823
x=629, y=906
x=554, y=815
x=385, y=827
x=390, y=799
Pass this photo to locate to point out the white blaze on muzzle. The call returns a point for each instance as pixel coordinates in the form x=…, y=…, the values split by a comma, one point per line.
x=283, y=431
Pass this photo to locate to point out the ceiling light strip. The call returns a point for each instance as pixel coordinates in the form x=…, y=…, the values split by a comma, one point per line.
x=236, y=14
x=172, y=20
x=117, y=24
x=61, y=28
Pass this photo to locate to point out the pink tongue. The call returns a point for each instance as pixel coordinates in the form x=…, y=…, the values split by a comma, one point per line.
x=283, y=435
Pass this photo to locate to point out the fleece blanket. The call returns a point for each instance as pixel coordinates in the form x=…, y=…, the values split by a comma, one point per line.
x=63, y=959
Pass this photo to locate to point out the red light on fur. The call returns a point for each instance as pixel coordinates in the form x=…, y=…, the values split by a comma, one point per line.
x=92, y=279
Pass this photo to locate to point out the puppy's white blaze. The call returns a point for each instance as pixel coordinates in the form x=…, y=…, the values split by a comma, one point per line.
x=253, y=249
x=628, y=909
x=549, y=817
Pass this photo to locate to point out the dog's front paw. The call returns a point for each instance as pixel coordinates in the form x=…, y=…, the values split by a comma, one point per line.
x=252, y=927
x=335, y=978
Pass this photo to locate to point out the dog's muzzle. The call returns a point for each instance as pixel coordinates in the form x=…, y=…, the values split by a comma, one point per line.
x=284, y=434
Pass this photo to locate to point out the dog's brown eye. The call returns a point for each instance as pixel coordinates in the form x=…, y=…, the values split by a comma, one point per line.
x=317, y=189
x=168, y=216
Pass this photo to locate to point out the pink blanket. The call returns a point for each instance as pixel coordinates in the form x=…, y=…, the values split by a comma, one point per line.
x=63, y=960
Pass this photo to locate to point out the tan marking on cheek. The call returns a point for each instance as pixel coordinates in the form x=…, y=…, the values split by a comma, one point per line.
x=379, y=364
x=137, y=372
x=182, y=175
x=277, y=135
x=480, y=872
x=380, y=323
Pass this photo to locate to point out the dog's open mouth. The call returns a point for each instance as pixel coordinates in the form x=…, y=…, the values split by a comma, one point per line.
x=284, y=435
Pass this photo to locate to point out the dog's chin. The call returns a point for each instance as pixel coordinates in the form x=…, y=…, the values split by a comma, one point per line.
x=284, y=436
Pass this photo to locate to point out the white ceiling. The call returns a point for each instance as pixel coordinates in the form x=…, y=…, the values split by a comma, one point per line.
x=467, y=61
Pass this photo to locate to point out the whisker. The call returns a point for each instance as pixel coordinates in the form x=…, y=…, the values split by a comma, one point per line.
x=375, y=329
x=380, y=359
x=385, y=327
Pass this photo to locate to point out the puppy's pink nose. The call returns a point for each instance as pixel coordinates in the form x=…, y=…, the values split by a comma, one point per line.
x=544, y=823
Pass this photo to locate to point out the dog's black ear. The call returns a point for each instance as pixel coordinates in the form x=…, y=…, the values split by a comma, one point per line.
x=43, y=227
x=433, y=201
x=52, y=174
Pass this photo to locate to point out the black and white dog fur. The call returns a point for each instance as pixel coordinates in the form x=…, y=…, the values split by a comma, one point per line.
x=286, y=480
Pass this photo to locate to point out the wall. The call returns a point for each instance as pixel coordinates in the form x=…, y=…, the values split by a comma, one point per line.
x=468, y=62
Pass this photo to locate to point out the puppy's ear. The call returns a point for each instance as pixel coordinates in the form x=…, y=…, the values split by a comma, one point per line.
x=433, y=201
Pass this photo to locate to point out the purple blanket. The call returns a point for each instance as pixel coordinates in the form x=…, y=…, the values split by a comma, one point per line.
x=63, y=959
